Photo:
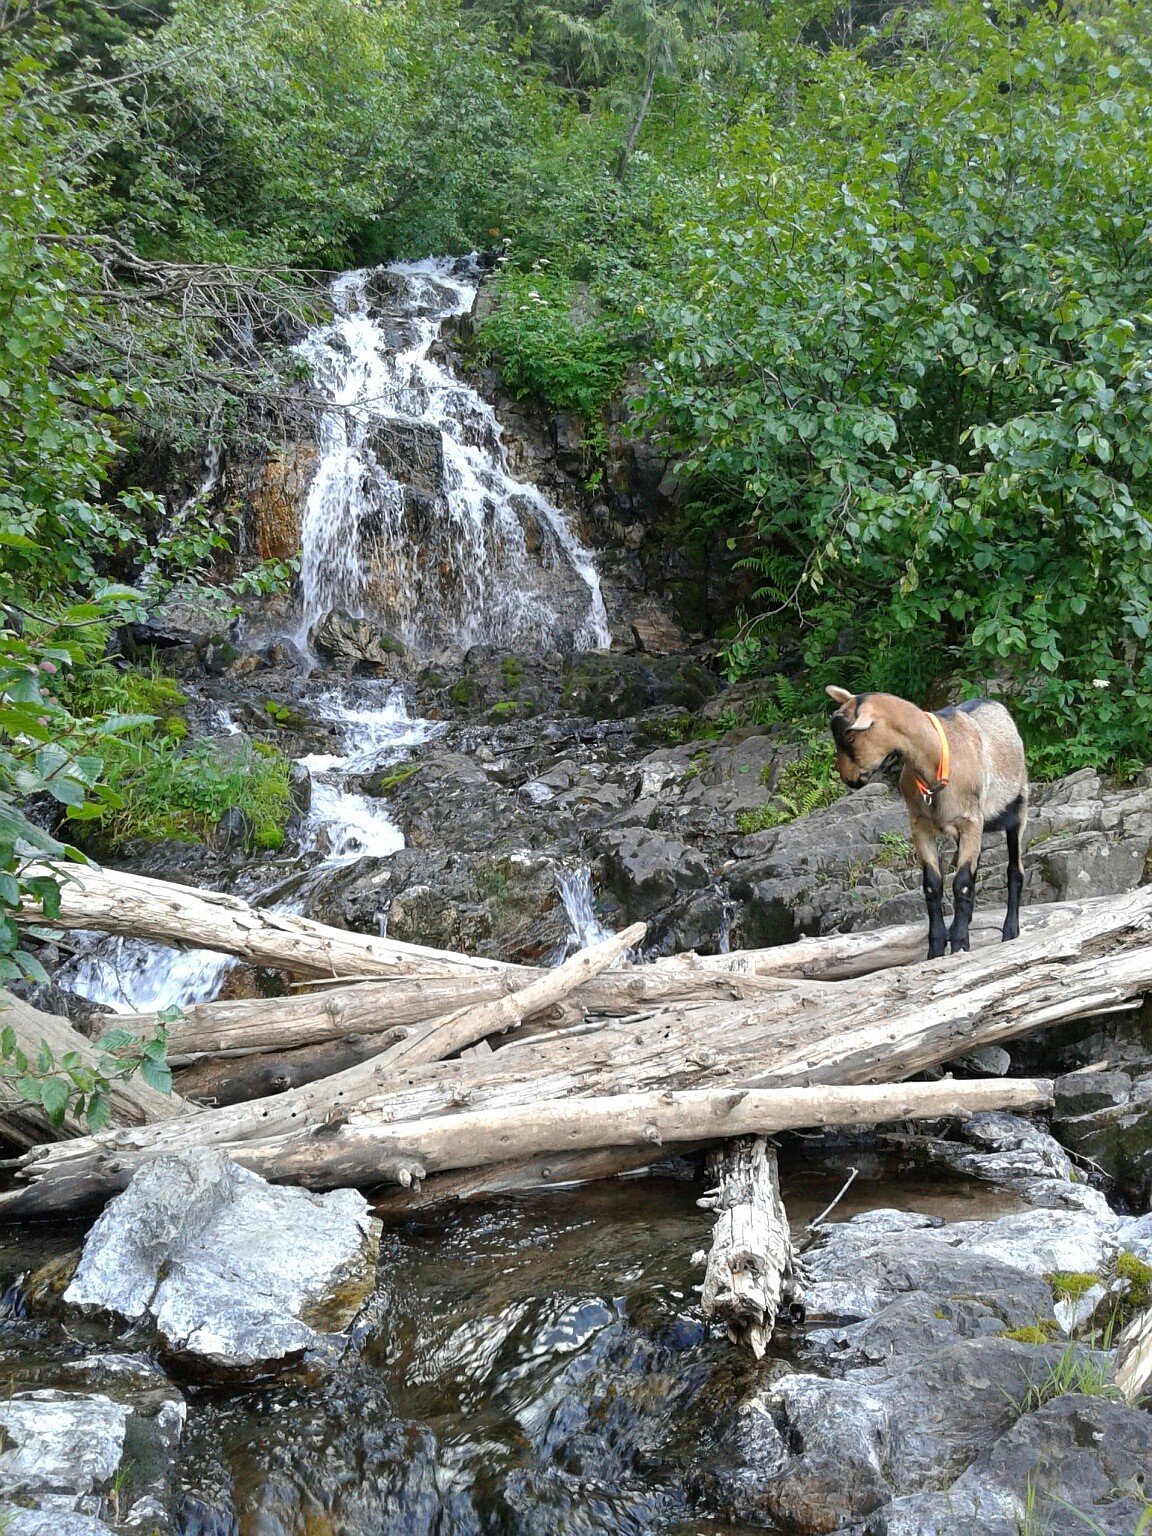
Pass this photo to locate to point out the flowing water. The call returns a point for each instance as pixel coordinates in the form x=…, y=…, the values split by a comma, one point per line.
x=129, y=975
x=412, y=516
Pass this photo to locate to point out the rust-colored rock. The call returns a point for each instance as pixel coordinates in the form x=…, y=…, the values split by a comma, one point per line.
x=278, y=503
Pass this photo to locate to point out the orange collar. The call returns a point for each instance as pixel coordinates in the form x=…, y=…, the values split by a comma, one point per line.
x=943, y=764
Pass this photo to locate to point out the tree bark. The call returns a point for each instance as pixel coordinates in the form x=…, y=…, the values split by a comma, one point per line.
x=750, y=1271
x=132, y=1101
x=375, y=1006
x=547, y=1170
x=1134, y=1357
x=884, y=1027
x=114, y=902
x=365, y=1149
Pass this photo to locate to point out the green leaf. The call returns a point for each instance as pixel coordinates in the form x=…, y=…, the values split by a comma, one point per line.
x=54, y=1097
x=156, y=1075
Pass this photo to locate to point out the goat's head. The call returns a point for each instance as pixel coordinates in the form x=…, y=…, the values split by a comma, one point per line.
x=867, y=743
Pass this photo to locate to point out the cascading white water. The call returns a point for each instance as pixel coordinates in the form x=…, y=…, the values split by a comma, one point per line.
x=412, y=516
x=584, y=927
x=129, y=975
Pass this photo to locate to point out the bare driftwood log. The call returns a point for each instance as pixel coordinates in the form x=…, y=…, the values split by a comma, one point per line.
x=365, y=1150
x=880, y=1027
x=114, y=902
x=546, y=1170
x=132, y=1102
x=1134, y=1357
x=750, y=1273
x=375, y=1006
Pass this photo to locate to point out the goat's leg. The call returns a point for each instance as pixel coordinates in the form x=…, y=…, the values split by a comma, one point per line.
x=1015, y=880
x=924, y=839
x=964, y=885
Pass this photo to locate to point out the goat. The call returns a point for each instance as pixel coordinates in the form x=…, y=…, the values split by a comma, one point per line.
x=962, y=771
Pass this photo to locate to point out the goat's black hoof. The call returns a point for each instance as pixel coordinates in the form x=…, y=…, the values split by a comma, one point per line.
x=1011, y=933
x=961, y=946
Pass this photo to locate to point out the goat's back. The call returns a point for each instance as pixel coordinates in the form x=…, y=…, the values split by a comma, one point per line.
x=1005, y=773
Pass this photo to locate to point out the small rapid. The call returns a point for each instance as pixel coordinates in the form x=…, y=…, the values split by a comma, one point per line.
x=343, y=825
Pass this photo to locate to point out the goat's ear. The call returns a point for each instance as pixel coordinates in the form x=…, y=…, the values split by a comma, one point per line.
x=841, y=695
x=861, y=725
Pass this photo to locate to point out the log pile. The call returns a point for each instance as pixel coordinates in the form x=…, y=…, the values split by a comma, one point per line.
x=438, y=1074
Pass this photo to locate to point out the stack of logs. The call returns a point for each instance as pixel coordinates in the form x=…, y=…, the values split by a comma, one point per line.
x=447, y=1076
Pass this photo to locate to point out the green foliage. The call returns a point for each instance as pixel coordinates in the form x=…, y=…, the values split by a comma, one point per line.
x=171, y=790
x=76, y=1087
x=571, y=364
x=1034, y=1333
x=1075, y=1370
x=922, y=371
x=806, y=785
x=394, y=777
x=1138, y=1277
x=1070, y=1284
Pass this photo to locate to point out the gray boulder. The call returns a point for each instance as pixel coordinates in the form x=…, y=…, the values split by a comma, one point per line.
x=59, y=1446
x=237, y=1275
x=855, y=1446
x=1086, y=1460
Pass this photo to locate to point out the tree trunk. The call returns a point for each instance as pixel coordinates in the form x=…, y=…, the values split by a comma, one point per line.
x=884, y=1027
x=375, y=1006
x=367, y=1149
x=114, y=902
x=629, y=145
x=750, y=1273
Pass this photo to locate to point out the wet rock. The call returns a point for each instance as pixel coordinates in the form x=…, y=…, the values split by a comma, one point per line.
x=59, y=1446
x=411, y=452
x=341, y=637
x=885, y=1259
x=276, y=502
x=854, y=1446
x=1086, y=1461
x=988, y=1061
x=53, y=1522
x=238, y=1276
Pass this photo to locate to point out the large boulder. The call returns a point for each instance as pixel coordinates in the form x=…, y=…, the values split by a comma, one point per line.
x=238, y=1276
x=1077, y=1464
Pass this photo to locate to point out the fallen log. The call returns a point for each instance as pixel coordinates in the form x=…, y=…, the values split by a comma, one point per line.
x=363, y=1150
x=372, y=1006
x=750, y=1272
x=521, y=1175
x=131, y=1101
x=142, y=908
x=882, y=1027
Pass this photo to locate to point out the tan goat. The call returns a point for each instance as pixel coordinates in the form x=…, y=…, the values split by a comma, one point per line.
x=962, y=772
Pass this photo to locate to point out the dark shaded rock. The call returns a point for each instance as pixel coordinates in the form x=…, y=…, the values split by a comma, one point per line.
x=411, y=452
x=1081, y=1093
x=1076, y=1464
x=647, y=871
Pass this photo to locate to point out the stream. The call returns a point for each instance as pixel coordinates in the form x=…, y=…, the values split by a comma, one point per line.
x=534, y=1365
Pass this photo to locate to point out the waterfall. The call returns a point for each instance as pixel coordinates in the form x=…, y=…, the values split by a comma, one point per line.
x=584, y=927
x=412, y=517
x=130, y=975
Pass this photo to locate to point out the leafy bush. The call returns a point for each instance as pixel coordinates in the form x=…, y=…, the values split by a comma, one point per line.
x=806, y=785
x=170, y=790
x=75, y=1086
x=544, y=351
x=912, y=342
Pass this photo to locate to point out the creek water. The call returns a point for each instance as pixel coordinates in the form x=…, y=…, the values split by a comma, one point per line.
x=530, y=1365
